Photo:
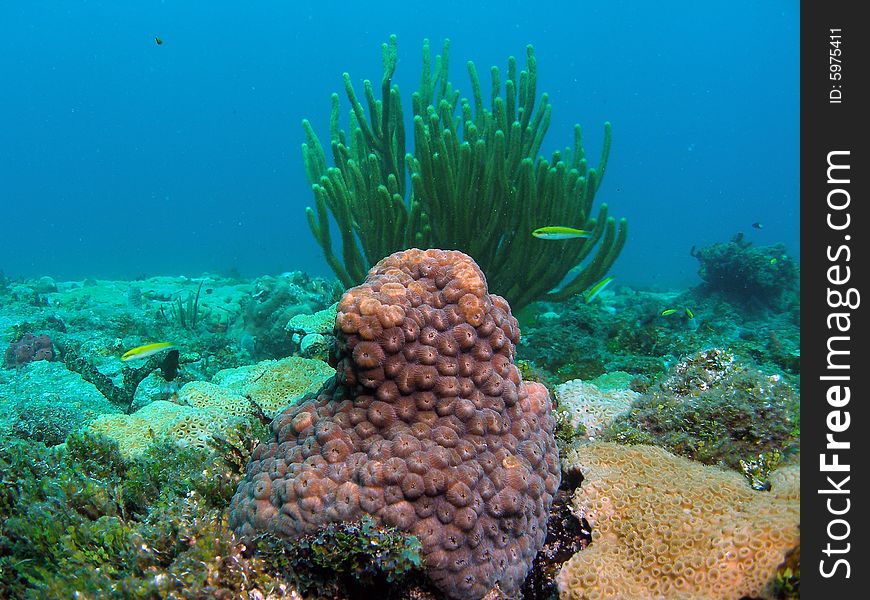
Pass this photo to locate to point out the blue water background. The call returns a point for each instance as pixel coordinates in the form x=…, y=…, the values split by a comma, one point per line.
x=123, y=158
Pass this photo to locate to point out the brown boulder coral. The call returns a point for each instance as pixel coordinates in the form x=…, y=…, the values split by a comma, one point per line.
x=427, y=426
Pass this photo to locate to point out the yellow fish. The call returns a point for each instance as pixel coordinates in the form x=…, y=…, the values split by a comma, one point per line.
x=592, y=292
x=668, y=311
x=146, y=350
x=560, y=233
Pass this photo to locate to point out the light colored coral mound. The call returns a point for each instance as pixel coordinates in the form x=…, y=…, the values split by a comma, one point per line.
x=201, y=394
x=592, y=406
x=323, y=321
x=665, y=527
x=786, y=482
x=275, y=384
x=207, y=409
x=187, y=425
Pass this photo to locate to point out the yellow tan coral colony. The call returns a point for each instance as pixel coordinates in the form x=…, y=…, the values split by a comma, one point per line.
x=665, y=527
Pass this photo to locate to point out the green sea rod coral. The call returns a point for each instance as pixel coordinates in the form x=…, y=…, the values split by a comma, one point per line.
x=477, y=183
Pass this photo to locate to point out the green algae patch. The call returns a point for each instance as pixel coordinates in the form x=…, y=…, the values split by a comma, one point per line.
x=82, y=519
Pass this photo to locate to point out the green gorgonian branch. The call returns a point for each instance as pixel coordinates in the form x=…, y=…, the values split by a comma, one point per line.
x=477, y=183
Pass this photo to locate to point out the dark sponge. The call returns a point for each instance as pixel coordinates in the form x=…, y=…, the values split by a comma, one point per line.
x=427, y=427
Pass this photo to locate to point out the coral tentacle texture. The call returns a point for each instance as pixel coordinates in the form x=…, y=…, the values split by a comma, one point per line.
x=427, y=427
x=664, y=527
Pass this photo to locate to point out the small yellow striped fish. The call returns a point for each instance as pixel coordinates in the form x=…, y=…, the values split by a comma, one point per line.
x=592, y=292
x=146, y=350
x=557, y=232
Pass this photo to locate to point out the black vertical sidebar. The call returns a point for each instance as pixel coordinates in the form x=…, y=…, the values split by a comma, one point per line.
x=835, y=346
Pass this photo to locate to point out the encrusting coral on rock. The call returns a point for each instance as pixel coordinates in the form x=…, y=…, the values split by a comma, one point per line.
x=27, y=349
x=664, y=527
x=275, y=385
x=203, y=410
x=427, y=427
x=591, y=407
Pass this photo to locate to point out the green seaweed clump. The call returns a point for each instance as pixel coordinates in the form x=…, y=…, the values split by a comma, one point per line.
x=80, y=520
x=578, y=340
x=787, y=581
x=755, y=277
x=714, y=409
x=566, y=433
x=757, y=470
x=349, y=559
x=532, y=372
x=46, y=419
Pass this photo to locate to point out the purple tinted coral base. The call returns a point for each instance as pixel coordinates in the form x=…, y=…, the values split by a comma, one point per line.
x=28, y=349
x=426, y=427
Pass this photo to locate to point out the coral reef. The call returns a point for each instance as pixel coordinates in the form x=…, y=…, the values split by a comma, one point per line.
x=624, y=331
x=145, y=514
x=713, y=409
x=322, y=322
x=477, y=183
x=752, y=276
x=427, y=427
x=273, y=385
x=627, y=331
x=210, y=396
x=160, y=419
x=100, y=320
x=122, y=395
x=592, y=407
x=273, y=302
x=27, y=349
x=203, y=409
x=45, y=402
x=314, y=333
x=664, y=527
x=92, y=323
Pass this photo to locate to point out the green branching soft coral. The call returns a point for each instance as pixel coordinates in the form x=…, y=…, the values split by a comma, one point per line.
x=477, y=182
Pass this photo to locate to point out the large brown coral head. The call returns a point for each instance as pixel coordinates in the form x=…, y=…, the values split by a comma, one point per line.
x=427, y=427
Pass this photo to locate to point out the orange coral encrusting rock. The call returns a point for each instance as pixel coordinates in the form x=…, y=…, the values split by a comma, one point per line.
x=664, y=527
x=427, y=427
